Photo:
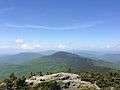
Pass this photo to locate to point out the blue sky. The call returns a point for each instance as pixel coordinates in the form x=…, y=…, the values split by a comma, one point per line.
x=33, y=25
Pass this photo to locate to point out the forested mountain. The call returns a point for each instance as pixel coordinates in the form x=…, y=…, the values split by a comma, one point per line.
x=57, y=62
x=18, y=58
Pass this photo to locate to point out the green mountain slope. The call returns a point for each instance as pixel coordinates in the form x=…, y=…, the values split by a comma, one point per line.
x=64, y=60
x=18, y=58
x=57, y=62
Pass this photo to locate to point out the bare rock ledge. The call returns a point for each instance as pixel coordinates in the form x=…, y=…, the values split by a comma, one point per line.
x=67, y=81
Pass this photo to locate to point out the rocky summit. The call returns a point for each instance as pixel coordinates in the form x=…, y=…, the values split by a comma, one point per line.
x=66, y=81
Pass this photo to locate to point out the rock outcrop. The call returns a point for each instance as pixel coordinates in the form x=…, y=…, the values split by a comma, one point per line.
x=67, y=81
x=3, y=86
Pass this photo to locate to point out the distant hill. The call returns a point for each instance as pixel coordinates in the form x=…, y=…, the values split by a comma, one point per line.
x=62, y=61
x=18, y=58
x=87, y=53
x=57, y=62
x=111, y=57
x=47, y=52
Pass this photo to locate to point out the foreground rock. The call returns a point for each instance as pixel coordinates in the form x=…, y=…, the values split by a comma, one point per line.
x=2, y=86
x=66, y=81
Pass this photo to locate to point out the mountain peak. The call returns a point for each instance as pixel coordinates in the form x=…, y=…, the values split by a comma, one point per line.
x=64, y=54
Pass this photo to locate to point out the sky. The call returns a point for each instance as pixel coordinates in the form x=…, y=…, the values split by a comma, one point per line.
x=34, y=25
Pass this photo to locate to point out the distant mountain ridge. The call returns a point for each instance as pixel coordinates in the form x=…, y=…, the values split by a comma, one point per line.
x=65, y=60
x=111, y=57
x=63, y=54
x=57, y=62
x=18, y=58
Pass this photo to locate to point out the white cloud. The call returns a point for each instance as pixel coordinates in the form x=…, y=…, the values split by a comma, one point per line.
x=37, y=45
x=108, y=46
x=27, y=47
x=72, y=27
x=19, y=41
x=23, y=45
x=61, y=46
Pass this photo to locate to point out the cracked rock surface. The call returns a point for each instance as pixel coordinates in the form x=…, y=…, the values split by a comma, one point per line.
x=67, y=81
